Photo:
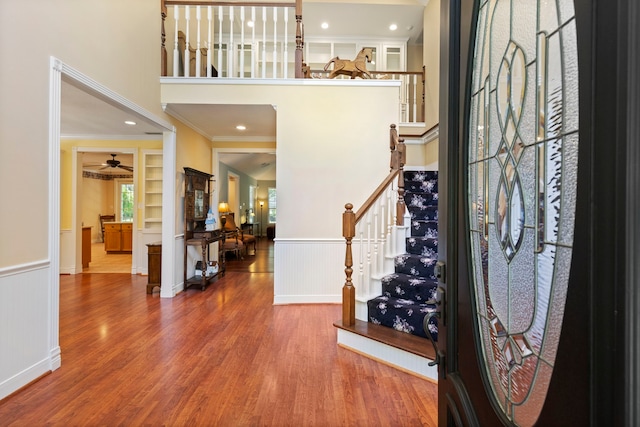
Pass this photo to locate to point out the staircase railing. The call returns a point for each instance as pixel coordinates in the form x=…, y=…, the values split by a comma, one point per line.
x=224, y=39
x=373, y=228
x=412, y=86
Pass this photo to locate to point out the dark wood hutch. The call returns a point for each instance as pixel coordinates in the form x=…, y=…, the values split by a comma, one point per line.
x=196, y=206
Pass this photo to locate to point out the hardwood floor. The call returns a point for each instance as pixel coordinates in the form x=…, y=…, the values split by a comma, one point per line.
x=225, y=356
x=102, y=262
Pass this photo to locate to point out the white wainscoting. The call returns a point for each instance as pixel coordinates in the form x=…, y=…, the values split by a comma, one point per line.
x=142, y=261
x=67, y=253
x=308, y=271
x=24, y=325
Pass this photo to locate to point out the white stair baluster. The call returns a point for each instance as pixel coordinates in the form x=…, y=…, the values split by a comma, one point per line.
x=220, y=20
x=368, y=270
x=187, y=57
x=285, y=54
x=264, y=42
x=198, y=56
x=275, y=42
x=176, y=51
x=209, y=45
x=415, y=98
x=230, y=47
x=361, y=257
x=241, y=71
x=253, y=42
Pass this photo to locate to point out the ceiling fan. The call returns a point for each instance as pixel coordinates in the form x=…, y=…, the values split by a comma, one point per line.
x=113, y=163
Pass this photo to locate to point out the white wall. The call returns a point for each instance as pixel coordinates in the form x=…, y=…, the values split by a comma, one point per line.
x=97, y=41
x=332, y=149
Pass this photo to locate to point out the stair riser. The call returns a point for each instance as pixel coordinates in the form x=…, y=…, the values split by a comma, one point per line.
x=419, y=293
x=429, y=213
x=416, y=266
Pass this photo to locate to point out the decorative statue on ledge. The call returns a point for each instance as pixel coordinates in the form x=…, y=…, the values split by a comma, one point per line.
x=355, y=68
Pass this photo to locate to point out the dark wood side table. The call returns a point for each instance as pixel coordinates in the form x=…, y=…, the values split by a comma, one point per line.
x=154, y=265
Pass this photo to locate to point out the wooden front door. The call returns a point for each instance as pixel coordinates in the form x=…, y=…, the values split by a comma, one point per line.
x=532, y=127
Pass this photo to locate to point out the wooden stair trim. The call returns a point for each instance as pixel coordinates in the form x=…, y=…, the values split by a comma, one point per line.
x=410, y=343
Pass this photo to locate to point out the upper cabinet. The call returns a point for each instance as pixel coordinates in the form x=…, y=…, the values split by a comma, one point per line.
x=387, y=55
x=152, y=189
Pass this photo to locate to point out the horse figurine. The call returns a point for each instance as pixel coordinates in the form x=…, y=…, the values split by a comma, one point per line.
x=355, y=68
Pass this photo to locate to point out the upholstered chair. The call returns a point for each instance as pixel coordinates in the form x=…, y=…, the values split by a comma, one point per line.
x=233, y=231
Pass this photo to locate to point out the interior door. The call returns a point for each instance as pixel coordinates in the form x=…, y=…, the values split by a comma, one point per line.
x=526, y=325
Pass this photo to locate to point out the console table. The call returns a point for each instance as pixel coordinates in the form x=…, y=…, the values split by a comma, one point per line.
x=201, y=240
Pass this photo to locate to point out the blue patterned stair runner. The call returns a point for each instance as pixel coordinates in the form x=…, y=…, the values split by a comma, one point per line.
x=402, y=305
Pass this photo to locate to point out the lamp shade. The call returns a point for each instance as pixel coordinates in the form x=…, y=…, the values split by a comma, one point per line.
x=223, y=207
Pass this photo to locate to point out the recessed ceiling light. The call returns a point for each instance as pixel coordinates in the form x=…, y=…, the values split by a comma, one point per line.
x=130, y=122
x=250, y=24
x=393, y=27
x=241, y=127
x=324, y=25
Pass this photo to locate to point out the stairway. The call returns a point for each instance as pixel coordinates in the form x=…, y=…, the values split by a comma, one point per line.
x=403, y=303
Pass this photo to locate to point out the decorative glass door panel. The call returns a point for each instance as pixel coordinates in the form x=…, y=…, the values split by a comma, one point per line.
x=522, y=168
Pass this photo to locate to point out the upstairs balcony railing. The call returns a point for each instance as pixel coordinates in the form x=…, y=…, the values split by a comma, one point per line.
x=256, y=40
x=224, y=39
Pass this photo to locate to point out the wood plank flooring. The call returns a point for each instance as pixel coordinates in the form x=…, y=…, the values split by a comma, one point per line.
x=225, y=356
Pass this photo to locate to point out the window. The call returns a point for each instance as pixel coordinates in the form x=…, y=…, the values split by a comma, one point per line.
x=272, y=205
x=125, y=200
x=252, y=204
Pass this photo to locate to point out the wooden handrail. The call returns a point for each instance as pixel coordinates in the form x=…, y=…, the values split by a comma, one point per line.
x=350, y=219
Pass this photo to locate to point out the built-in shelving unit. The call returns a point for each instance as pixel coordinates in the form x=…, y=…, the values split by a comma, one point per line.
x=152, y=189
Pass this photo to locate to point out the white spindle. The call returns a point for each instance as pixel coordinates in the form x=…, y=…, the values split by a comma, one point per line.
x=368, y=271
x=230, y=48
x=275, y=42
x=415, y=98
x=361, y=256
x=285, y=58
x=198, y=56
x=382, y=230
x=390, y=246
x=209, y=45
x=375, y=239
x=176, y=51
x=186, y=62
x=220, y=20
x=405, y=80
x=253, y=42
x=264, y=42
x=241, y=41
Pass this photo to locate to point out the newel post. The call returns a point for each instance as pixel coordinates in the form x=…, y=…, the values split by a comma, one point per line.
x=299, y=41
x=348, y=291
x=163, y=37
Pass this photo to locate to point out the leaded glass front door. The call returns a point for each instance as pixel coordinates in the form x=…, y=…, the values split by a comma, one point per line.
x=511, y=148
x=522, y=165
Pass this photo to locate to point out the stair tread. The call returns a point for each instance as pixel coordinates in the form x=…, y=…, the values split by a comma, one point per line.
x=410, y=343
